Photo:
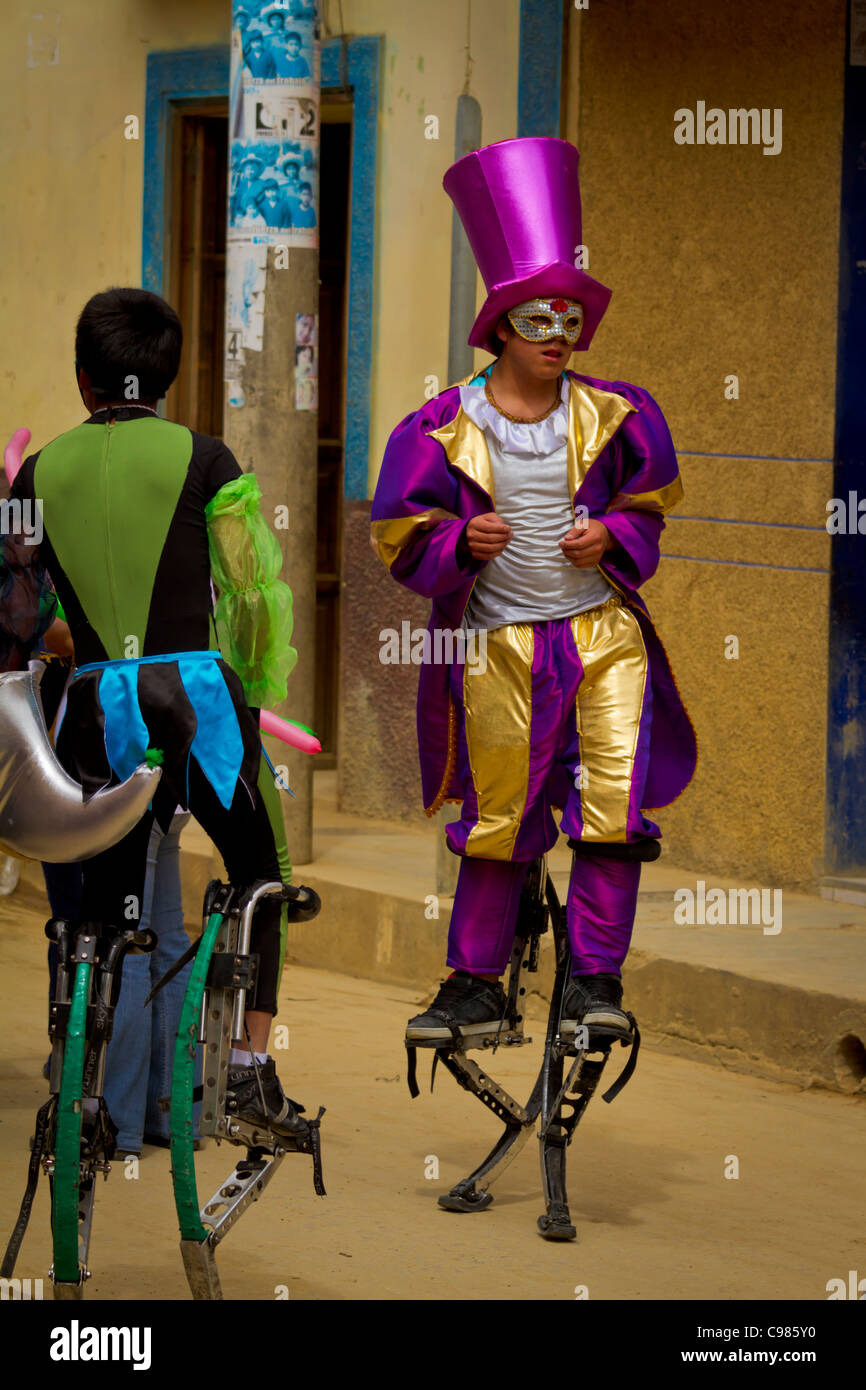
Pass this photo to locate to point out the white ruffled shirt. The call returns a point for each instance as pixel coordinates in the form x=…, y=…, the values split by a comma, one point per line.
x=531, y=580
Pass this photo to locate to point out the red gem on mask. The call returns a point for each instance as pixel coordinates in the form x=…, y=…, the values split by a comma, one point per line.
x=559, y=306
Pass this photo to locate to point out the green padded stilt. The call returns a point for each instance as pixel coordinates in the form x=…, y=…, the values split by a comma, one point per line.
x=67, y=1145
x=182, y=1080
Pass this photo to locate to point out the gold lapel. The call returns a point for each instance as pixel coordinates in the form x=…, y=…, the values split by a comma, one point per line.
x=594, y=416
x=466, y=448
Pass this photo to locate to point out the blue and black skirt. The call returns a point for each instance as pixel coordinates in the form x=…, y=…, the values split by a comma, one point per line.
x=160, y=709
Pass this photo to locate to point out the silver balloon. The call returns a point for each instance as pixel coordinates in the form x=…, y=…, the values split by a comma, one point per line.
x=42, y=811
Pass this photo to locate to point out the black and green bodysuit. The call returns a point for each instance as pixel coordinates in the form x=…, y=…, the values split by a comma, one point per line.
x=137, y=514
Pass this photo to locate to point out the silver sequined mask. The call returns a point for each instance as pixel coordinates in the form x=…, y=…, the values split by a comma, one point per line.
x=540, y=320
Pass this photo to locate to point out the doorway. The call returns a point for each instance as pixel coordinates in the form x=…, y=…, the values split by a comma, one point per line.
x=195, y=286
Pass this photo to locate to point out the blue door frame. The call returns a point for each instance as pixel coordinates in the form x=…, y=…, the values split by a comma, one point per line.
x=846, y=733
x=197, y=74
x=541, y=62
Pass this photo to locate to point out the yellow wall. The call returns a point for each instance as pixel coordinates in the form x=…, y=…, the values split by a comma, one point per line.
x=74, y=226
x=725, y=260
x=70, y=223
x=722, y=260
x=424, y=67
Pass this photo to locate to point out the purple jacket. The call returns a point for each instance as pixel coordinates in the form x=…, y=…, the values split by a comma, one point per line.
x=436, y=475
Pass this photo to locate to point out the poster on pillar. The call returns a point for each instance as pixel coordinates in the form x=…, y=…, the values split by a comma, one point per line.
x=274, y=124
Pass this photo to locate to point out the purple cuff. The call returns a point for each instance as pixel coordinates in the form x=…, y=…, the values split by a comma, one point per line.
x=432, y=564
x=634, y=557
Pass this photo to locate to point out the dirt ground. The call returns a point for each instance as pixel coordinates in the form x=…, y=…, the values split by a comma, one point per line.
x=656, y=1216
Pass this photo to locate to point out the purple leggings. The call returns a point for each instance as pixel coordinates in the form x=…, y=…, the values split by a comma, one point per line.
x=602, y=897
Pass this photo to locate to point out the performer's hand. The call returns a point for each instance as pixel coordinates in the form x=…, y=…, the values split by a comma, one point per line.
x=487, y=536
x=584, y=545
x=58, y=639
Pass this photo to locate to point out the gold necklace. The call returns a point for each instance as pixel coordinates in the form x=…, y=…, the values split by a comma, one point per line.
x=520, y=419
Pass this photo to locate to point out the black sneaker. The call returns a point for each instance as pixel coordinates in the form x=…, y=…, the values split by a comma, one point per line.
x=596, y=1002
x=243, y=1102
x=465, y=1003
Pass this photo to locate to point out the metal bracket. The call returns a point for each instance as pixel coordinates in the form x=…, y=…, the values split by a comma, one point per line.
x=473, y=1079
x=85, y=947
x=216, y=1034
x=63, y=1290
x=229, y=970
x=243, y=1187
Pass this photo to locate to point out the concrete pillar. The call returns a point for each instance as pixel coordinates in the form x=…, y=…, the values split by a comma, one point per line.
x=460, y=363
x=280, y=445
x=463, y=272
x=263, y=428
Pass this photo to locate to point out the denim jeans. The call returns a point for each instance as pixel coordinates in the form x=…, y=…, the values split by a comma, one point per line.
x=140, y=1055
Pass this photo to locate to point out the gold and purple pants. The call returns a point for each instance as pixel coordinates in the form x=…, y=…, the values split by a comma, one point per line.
x=557, y=716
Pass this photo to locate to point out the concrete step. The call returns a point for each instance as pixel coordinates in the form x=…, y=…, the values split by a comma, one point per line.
x=844, y=889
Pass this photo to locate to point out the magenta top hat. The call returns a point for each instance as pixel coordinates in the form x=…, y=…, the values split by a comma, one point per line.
x=519, y=201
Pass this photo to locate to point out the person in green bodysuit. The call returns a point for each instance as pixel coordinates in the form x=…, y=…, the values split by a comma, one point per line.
x=137, y=514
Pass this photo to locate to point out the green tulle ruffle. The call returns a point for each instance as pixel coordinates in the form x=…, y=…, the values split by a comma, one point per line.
x=253, y=613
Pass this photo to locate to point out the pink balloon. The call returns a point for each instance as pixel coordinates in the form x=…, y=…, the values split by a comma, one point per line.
x=289, y=732
x=13, y=454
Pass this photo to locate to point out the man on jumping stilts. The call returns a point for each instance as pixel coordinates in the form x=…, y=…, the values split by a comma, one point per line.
x=528, y=503
x=138, y=514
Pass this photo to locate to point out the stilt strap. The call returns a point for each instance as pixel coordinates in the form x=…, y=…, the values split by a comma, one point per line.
x=18, y=1233
x=316, y=1151
x=643, y=850
x=628, y=1070
x=174, y=970
x=412, y=1071
x=412, y=1053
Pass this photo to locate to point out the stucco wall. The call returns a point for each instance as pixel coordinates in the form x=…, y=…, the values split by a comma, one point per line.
x=724, y=261
x=424, y=71
x=70, y=222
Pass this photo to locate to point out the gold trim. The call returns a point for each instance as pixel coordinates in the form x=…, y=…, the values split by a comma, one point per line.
x=661, y=499
x=466, y=449
x=391, y=536
x=525, y=419
x=498, y=705
x=450, y=757
x=610, y=701
x=594, y=416
x=626, y=597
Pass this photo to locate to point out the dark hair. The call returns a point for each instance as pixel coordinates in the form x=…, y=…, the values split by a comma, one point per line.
x=498, y=344
x=128, y=332
x=292, y=34
x=305, y=188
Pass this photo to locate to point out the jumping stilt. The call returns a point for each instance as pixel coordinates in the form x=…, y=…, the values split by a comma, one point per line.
x=564, y=1101
x=74, y=1140
x=559, y=1097
x=472, y=1192
x=223, y=974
